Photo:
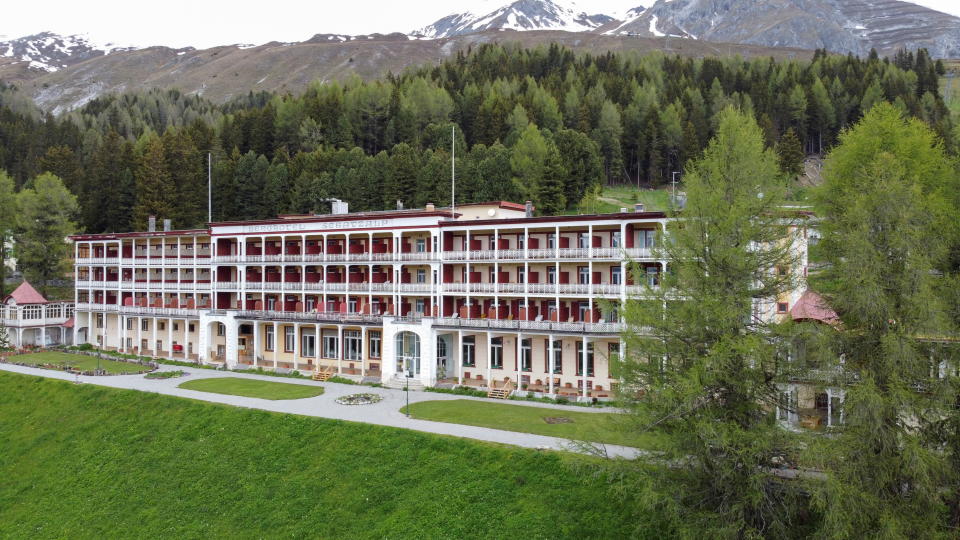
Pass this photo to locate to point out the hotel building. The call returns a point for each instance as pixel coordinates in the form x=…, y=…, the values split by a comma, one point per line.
x=487, y=295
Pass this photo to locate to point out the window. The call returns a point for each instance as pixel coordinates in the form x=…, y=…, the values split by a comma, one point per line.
x=551, y=310
x=269, y=339
x=289, y=338
x=526, y=355
x=331, y=345
x=308, y=345
x=583, y=275
x=421, y=245
x=469, y=351
x=583, y=241
x=352, y=305
x=782, y=307
x=653, y=276
x=583, y=310
x=521, y=275
x=580, y=359
x=613, y=353
x=221, y=329
x=129, y=324
x=421, y=275
x=521, y=241
x=551, y=274
x=615, y=239
x=419, y=306
x=144, y=324
x=551, y=241
x=375, y=338
x=190, y=327
x=647, y=238
x=99, y=320
x=557, y=356
x=311, y=303
x=176, y=327
x=615, y=276
x=163, y=326
x=271, y=303
x=496, y=353
x=353, y=344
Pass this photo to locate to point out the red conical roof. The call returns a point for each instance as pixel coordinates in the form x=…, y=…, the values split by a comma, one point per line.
x=26, y=294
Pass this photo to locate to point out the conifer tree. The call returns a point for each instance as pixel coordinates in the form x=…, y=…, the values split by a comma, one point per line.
x=889, y=221
x=155, y=188
x=702, y=361
x=790, y=154
x=8, y=216
x=45, y=217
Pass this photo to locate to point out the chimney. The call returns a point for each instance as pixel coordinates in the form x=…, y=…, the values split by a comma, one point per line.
x=399, y=204
x=529, y=208
x=166, y=225
x=339, y=207
x=430, y=207
x=152, y=224
x=638, y=207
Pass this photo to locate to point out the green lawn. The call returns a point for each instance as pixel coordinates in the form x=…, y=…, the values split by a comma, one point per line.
x=84, y=461
x=236, y=386
x=79, y=361
x=583, y=426
x=624, y=196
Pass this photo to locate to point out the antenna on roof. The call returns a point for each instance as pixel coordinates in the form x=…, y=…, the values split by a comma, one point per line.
x=453, y=171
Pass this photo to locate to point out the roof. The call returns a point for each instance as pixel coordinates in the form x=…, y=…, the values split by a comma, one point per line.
x=26, y=294
x=812, y=307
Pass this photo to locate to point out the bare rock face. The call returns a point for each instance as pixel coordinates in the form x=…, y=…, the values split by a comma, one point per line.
x=519, y=15
x=841, y=26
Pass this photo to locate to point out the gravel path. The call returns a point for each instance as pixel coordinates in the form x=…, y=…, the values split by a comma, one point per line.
x=385, y=413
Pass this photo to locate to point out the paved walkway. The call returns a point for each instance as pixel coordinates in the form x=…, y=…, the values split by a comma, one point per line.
x=385, y=413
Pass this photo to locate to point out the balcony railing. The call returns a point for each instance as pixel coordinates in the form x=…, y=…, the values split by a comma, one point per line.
x=159, y=312
x=319, y=317
x=606, y=289
x=533, y=326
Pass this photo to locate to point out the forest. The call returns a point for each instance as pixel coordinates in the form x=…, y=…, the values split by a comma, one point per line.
x=542, y=124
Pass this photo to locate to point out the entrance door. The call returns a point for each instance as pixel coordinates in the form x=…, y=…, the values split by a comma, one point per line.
x=408, y=353
x=441, y=358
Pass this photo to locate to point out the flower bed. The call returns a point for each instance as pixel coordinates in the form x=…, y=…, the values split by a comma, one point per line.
x=360, y=399
x=166, y=374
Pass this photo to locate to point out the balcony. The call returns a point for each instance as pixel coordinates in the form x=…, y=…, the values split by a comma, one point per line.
x=603, y=253
x=314, y=317
x=532, y=326
x=602, y=289
x=159, y=312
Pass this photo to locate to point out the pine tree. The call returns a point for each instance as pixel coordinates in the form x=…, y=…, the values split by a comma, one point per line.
x=8, y=220
x=702, y=361
x=46, y=212
x=528, y=162
x=155, y=188
x=790, y=154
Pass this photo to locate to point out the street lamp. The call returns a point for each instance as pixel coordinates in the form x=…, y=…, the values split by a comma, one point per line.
x=406, y=374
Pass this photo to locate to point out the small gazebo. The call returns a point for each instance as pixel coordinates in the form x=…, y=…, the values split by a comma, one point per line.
x=32, y=320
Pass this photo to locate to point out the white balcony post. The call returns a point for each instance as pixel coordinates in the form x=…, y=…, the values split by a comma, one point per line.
x=317, y=346
x=363, y=350
x=170, y=337
x=518, y=349
x=256, y=342
x=296, y=344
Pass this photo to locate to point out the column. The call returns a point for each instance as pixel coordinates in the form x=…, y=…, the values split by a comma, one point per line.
x=363, y=349
x=339, y=349
x=170, y=337
x=317, y=347
x=296, y=344
x=583, y=360
x=460, y=357
x=489, y=361
x=519, y=353
x=276, y=343
x=256, y=343
x=551, y=363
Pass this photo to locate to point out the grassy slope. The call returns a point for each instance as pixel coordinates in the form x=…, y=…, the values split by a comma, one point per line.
x=236, y=386
x=595, y=427
x=80, y=361
x=85, y=461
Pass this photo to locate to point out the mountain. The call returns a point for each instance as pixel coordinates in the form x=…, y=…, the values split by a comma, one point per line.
x=842, y=26
x=521, y=15
x=223, y=73
x=48, y=52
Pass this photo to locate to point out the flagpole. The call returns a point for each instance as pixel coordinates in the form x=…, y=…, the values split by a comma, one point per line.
x=453, y=172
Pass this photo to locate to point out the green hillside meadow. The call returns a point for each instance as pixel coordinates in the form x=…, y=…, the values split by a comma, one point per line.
x=80, y=461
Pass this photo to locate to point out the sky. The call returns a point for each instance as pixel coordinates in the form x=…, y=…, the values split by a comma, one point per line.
x=205, y=23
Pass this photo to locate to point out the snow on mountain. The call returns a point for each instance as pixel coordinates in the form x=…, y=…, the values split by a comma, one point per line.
x=50, y=52
x=519, y=15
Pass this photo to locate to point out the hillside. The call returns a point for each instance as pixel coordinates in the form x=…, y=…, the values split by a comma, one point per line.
x=222, y=73
x=79, y=461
